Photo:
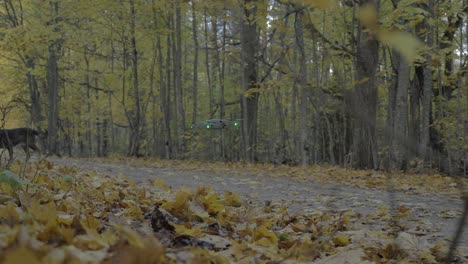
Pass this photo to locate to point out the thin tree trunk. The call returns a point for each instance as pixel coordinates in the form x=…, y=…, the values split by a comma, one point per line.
x=427, y=90
x=163, y=88
x=281, y=151
x=302, y=81
x=36, y=115
x=98, y=123
x=207, y=63
x=53, y=82
x=136, y=128
x=249, y=45
x=221, y=80
x=168, y=115
x=87, y=80
x=195, y=64
x=294, y=103
x=399, y=140
x=178, y=74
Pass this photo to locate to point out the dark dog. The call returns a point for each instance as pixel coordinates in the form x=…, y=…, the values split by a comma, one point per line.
x=24, y=136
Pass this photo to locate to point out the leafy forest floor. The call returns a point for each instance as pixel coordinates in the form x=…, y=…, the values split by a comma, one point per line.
x=124, y=210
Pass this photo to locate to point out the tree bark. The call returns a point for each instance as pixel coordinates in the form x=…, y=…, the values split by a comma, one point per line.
x=195, y=65
x=36, y=115
x=207, y=63
x=137, y=118
x=53, y=82
x=399, y=129
x=249, y=46
x=222, y=68
x=302, y=79
x=365, y=98
x=427, y=90
x=169, y=112
x=87, y=81
x=178, y=74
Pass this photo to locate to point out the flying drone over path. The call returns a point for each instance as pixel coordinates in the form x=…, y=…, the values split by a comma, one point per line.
x=217, y=124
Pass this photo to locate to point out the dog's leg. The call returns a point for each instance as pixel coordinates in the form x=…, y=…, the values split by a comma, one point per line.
x=10, y=152
x=26, y=150
x=33, y=146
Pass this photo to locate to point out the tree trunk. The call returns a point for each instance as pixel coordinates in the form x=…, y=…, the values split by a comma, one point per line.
x=222, y=69
x=195, y=65
x=207, y=63
x=281, y=150
x=302, y=81
x=427, y=90
x=178, y=75
x=87, y=81
x=136, y=124
x=98, y=123
x=168, y=116
x=34, y=94
x=53, y=82
x=400, y=113
x=249, y=45
x=365, y=99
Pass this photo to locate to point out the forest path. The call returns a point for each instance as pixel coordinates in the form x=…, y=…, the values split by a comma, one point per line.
x=432, y=216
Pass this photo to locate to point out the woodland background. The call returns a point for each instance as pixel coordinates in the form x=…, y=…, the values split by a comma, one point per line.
x=362, y=83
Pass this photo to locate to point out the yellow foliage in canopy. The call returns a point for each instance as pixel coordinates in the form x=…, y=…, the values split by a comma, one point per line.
x=403, y=42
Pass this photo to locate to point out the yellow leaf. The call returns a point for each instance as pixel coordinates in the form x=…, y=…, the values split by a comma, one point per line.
x=90, y=224
x=264, y=237
x=45, y=214
x=67, y=233
x=10, y=214
x=341, y=240
x=6, y=188
x=133, y=237
x=65, y=219
x=201, y=255
x=369, y=17
x=427, y=257
x=21, y=255
x=8, y=235
x=183, y=230
x=161, y=184
x=180, y=205
x=305, y=250
x=212, y=203
x=252, y=92
x=88, y=242
x=403, y=42
x=87, y=256
x=199, y=210
x=232, y=199
x=109, y=237
x=134, y=211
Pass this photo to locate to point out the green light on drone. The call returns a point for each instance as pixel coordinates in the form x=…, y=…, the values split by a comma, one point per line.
x=236, y=124
x=207, y=126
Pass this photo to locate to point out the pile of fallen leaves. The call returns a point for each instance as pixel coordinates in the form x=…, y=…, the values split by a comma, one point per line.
x=67, y=215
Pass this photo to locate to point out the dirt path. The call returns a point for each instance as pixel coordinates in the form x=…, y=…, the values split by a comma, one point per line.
x=434, y=217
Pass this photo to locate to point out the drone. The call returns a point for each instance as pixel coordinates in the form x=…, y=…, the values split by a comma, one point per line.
x=217, y=124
